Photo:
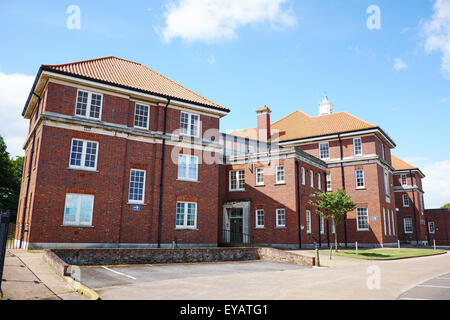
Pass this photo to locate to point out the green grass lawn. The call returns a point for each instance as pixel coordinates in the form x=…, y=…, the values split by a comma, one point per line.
x=385, y=254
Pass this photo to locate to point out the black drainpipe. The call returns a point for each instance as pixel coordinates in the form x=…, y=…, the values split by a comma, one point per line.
x=161, y=183
x=297, y=181
x=343, y=185
x=414, y=207
x=30, y=165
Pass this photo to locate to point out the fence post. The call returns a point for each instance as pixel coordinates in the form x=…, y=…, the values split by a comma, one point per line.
x=317, y=258
x=4, y=228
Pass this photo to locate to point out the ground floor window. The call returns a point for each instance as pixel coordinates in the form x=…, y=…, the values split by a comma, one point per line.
x=322, y=225
x=362, y=218
x=308, y=221
x=407, y=224
x=281, y=217
x=186, y=216
x=431, y=228
x=260, y=218
x=78, y=210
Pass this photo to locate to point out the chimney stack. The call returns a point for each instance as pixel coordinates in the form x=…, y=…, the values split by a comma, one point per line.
x=263, y=124
x=325, y=107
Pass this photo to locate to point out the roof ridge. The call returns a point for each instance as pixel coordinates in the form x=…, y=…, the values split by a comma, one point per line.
x=89, y=60
x=293, y=112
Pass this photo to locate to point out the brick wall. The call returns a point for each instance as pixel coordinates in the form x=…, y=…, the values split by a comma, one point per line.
x=441, y=219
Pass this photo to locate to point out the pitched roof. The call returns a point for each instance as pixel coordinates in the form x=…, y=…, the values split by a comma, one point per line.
x=132, y=75
x=399, y=164
x=299, y=125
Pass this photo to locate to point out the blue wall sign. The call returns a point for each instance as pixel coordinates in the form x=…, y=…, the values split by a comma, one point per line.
x=136, y=208
x=374, y=218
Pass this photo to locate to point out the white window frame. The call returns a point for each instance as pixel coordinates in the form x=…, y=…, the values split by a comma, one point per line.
x=188, y=162
x=333, y=226
x=405, y=197
x=311, y=177
x=148, y=115
x=77, y=222
x=238, y=176
x=431, y=231
x=387, y=186
x=405, y=178
x=384, y=221
x=326, y=151
x=185, y=215
x=303, y=176
x=360, y=147
x=88, y=105
x=278, y=224
x=389, y=221
x=322, y=225
x=308, y=222
x=143, y=188
x=328, y=177
x=190, y=115
x=358, y=211
x=319, y=181
x=258, y=213
x=280, y=169
x=393, y=222
x=259, y=176
x=82, y=166
x=361, y=178
x=409, y=224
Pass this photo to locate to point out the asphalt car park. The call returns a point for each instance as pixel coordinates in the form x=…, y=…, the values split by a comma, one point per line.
x=437, y=288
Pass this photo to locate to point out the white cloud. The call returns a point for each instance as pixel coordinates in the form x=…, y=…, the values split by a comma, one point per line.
x=217, y=20
x=14, y=89
x=399, y=64
x=437, y=33
x=436, y=184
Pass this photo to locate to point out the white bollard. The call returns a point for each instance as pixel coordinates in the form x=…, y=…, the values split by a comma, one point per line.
x=356, y=245
x=398, y=242
x=434, y=244
x=331, y=251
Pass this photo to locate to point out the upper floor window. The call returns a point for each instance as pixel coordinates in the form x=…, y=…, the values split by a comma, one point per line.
x=83, y=154
x=259, y=176
x=141, y=116
x=324, y=150
x=303, y=176
x=359, y=178
x=333, y=226
x=89, y=104
x=189, y=124
x=78, y=210
x=260, y=218
x=328, y=181
x=431, y=228
x=137, y=186
x=404, y=180
x=319, y=181
x=362, y=218
x=186, y=215
x=405, y=200
x=280, y=174
x=187, y=167
x=237, y=180
x=357, y=147
x=281, y=218
x=407, y=225
x=387, y=186
x=311, y=176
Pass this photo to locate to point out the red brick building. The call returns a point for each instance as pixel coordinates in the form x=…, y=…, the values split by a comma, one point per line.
x=119, y=155
x=438, y=222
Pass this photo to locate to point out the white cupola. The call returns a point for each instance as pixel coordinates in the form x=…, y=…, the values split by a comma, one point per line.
x=325, y=107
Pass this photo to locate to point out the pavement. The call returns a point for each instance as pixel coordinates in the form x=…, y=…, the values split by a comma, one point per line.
x=343, y=279
x=27, y=277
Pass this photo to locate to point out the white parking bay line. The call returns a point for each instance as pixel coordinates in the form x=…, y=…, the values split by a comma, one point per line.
x=413, y=299
x=122, y=274
x=430, y=286
x=443, y=278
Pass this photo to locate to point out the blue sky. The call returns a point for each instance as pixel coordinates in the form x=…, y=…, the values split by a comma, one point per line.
x=284, y=57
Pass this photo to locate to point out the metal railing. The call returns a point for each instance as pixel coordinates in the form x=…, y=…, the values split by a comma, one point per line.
x=233, y=238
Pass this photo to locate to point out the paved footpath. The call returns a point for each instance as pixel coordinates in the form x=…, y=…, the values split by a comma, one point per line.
x=27, y=277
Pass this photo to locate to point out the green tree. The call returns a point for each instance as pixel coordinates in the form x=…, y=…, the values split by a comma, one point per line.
x=334, y=206
x=10, y=180
x=446, y=206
